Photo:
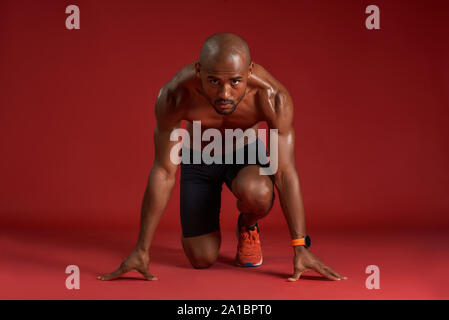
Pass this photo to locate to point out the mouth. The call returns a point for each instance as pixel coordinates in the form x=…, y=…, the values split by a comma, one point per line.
x=224, y=105
x=224, y=108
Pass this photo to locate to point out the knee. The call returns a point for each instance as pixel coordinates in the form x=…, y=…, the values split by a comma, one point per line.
x=202, y=251
x=203, y=261
x=259, y=197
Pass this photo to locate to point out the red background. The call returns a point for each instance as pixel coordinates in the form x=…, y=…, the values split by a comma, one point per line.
x=371, y=122
x=371, y=107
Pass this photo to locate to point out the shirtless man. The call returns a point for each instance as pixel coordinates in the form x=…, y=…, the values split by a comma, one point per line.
x=225, y=89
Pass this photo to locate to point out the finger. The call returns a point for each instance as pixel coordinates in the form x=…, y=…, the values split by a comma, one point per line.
x=335, y=273
x=148, y=276
x=296, y=275
x=113, y=275
x=322, y=270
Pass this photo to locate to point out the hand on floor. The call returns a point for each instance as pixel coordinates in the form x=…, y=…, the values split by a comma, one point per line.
x=305, y=260
x=137, y=261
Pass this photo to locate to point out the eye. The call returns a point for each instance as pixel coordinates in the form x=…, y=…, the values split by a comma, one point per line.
x=235, y=81
x=213, y=81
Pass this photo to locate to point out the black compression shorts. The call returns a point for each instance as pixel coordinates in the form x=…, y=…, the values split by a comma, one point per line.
x=201, y=186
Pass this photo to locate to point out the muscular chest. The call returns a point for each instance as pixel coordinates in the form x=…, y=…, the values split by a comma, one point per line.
x=246, y=115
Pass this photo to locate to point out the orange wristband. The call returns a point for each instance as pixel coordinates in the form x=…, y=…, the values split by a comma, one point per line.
x=298, y=242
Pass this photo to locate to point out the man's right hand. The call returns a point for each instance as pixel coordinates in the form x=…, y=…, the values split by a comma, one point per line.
x=138, y=261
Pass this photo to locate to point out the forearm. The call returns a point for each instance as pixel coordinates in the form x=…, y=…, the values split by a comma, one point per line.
x=157, y=194
x=290, y=197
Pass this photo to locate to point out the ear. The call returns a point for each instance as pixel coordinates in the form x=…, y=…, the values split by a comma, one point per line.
x=251, y=68
x=198, y=69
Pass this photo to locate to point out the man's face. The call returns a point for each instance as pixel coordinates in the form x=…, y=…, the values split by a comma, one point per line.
x=224, y=82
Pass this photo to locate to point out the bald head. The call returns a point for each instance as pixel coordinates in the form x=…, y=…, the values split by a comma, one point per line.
x=224, y=69
x=222, y=47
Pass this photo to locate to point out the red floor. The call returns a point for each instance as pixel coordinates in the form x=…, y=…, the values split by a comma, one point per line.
x=413, y=265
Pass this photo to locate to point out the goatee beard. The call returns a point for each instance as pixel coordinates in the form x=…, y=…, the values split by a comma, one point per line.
x=226, y=112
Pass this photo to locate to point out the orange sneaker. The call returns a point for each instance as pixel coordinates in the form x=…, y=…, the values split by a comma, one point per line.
x=249, y=251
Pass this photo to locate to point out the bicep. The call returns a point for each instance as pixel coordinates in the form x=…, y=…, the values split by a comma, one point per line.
x=167, y=120
x=282, y=122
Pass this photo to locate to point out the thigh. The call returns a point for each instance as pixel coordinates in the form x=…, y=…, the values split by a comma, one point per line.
x=239, y=176
x=200, y=200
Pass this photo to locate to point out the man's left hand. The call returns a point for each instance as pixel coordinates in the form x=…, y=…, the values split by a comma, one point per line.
x=305, y=260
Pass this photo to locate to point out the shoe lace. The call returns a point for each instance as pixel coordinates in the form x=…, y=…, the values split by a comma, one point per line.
x=249, y=237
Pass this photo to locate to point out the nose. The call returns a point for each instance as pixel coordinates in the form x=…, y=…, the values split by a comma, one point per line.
x=224, y=92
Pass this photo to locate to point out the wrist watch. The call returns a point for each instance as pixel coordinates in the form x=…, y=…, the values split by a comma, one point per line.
x=304, y=241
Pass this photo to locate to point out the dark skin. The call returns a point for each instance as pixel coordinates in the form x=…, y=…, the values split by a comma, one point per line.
x=195, y=93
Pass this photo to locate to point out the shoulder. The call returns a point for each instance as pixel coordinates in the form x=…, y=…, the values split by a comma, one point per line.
x=272, y=96
x=268, y=87
x=178, y=85
x=169, y=101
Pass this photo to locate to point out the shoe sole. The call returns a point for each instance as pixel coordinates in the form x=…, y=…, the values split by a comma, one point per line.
x=249, y=264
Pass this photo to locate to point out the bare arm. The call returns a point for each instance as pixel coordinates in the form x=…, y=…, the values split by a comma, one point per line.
x=286, y=178
x=160, y=184
x=287, y=183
